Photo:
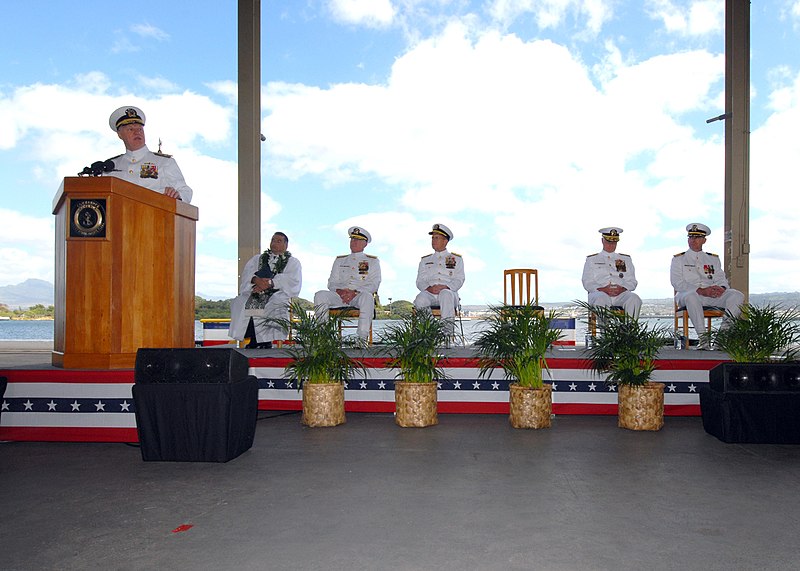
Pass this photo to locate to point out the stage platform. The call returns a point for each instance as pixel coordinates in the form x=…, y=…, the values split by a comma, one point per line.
x=44, y=403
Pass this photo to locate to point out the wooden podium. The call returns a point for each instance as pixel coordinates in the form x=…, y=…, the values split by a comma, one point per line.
x=124, y=273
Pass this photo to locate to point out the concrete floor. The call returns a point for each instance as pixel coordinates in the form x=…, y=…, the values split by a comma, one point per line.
x=470, y=493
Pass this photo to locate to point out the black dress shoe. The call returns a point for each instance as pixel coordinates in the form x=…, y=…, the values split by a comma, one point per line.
x=265, y=345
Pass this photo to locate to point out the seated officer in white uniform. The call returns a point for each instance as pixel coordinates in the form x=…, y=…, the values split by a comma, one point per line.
x=440, y=275
x=698, y=280
x=139, y=165
x=610, y=277
x=269, y=282
x=354, y=279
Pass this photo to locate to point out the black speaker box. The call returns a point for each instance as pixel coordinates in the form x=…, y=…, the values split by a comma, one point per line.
x=755, y=377
x=753, y=403
x=207, y=365
x=194, y=405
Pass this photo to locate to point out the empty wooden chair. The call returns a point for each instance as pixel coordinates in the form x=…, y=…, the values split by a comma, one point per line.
x=520, y=287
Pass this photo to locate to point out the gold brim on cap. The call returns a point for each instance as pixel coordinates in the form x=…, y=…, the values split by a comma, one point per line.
x=129, y=121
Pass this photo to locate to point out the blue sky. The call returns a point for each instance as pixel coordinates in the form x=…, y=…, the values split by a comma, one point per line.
x=523, y=125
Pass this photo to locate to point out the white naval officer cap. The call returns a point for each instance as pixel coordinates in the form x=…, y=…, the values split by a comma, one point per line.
x=126, y=115
x=359, y=234
x=611, y=233
x=441, y=230
x=697, y=229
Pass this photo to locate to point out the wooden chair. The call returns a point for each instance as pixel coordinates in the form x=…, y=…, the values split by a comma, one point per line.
x=436, y=311
x=292, y=319
x=517, y=287
x=593, y=318
x=348, y=313
x=709, y=312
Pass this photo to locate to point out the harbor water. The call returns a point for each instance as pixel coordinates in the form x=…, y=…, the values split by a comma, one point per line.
x=17, y=330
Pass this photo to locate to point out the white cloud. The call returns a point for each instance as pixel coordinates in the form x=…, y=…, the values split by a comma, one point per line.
x=150, y=31
x=157, y=84
x=123, y=45
x=27, y=250
x=532, y=148
x=370, y=13
x=692, y=18
x=551, y=14
x=228, y=89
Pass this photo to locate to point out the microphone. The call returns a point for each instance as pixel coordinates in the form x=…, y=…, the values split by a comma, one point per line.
x=97, y=168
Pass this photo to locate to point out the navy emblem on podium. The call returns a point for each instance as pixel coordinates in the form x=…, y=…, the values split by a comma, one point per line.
x=87, y=218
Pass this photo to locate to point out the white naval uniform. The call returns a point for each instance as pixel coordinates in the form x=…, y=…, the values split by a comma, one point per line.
x=691, y=270
x=443, y=268
x=288, y=284
x=611, y=268
x=357, y=271
x=151, y=170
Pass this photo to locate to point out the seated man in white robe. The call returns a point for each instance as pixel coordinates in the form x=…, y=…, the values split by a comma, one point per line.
x=269, y=282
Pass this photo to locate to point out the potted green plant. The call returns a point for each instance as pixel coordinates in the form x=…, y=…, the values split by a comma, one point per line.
x=768, y=334
x=625, y=351
x=762, y=342
x=414, y=348
x=754, y=399
x=517, y=340
x=320, y=365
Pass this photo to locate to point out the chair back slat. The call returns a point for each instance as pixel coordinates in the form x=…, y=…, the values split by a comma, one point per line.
x=517, y=286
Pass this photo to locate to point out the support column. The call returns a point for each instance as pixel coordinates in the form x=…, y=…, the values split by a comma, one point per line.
x=737, y=144
x=249, y=126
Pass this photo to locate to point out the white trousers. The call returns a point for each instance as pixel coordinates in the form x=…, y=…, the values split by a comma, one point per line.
x=731, y=300
x=447, y=300
x=325, y=299
x=627, y=300
x=277, y=308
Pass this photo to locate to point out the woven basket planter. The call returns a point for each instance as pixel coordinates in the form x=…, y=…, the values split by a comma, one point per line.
x=323, y=404
x=641, y=407
x=529, y=407
x=416, y=404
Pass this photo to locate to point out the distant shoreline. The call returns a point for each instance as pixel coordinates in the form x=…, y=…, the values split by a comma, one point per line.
x=38, y=346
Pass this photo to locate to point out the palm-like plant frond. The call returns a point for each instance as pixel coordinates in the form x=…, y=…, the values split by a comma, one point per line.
x=413, y=345
x=625, y=349
x=759, y=334
x=517, y=340
x=318, y=354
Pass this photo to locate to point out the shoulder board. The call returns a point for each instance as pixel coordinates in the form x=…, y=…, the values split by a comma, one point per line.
x=370, y=256
x=681, y=254
x=427, y=256
x=626, y=255
x=342, y=256
x=712, y=254
x=592, y=255
x=116, y=157
x=459, y=255
x=160, y=154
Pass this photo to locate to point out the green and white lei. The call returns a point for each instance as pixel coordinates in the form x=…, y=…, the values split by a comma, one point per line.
x=280, y=265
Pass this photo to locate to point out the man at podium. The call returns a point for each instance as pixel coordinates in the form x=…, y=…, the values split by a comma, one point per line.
x=138, y=164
